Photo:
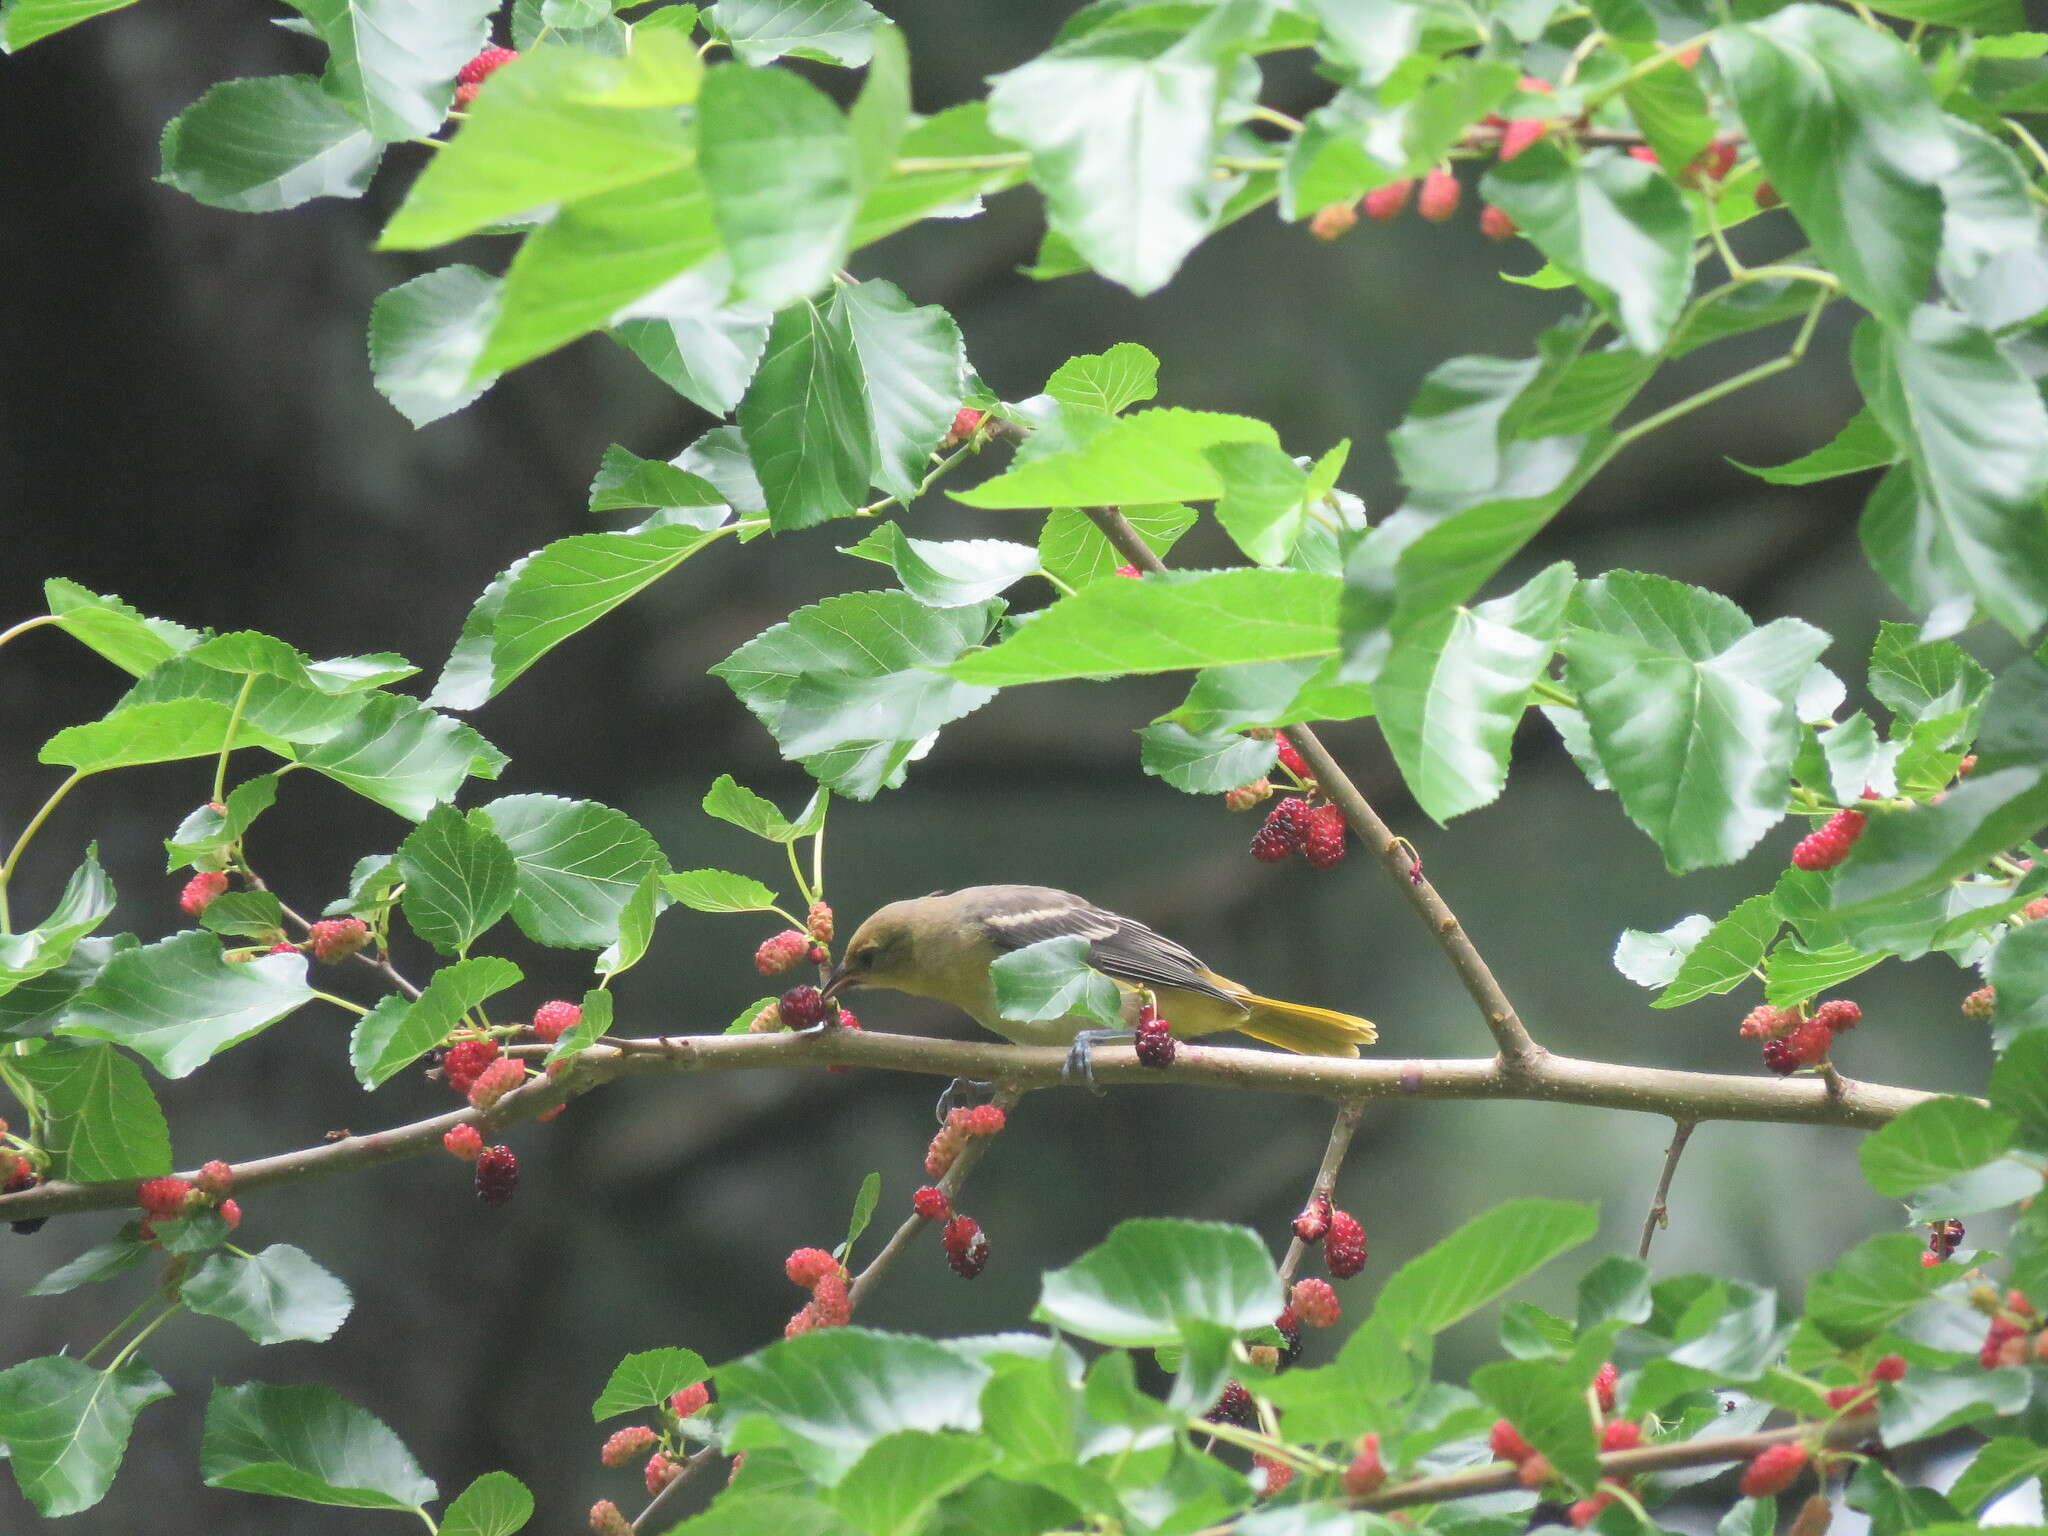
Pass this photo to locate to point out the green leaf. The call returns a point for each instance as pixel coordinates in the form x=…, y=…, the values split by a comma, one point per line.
x=398, y=1032
x=1107, y=381
x=244, y=914
x=117, y=631
x=1860, y=445
x=1851, y=139
x=1993, y=260
x=731, y=801
x=960, y=134
x=1452, y=438
x=716, y=890
x=1975, y=434
x=1935, y=1140
x=1919, y=680
x=647, y=1380
x=178, y=1004
x=1870, y=1288
x=1455, y=686
x=496, y=1504
x=164, y=732
x=1052, y=979
x=104, y=1261
x=307, y=1443
x=834, y=1392
x=1725, y=955
x=425, y=338
x=1930, y=1401
x=1149, y=1279
x=1269, y=693
x=556, y=125
x=1477, y=1262
x=579, y=863
x=1546, y=1402
x=778, y=162
x=1907, y=853
x=99, y=1119
x=272, y=1296
x=30, y=21
x=1691, y=710
x=1999, y=1465
x=1158, y=455
x=916, y=366
x=1265, y=497
x=851, y=686
x=66, y=1426
x=1072, y=548
x=1655, y=959
x=1122, y=129
x=865, y=1199
x=1203, y=764
x=256, y=146
x=393, y=63
x=708, y=357
x=1796, y=973
x=1618, y=228
x=893, y=1489
x=948, y=573
x=625, y=481
x=1166, y=622
x=403, y=755
x=552, y=594
x=1673, y=113
x=636, y=925
x=831, y=31
x=87, y=900
x=1617, y=1289
x=647, y=248
x=806, y=417
x=595, y=1023
x=459, y=878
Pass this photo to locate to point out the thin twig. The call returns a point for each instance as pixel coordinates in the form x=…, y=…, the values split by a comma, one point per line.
x=901, y=1239
x=1660, y=1203
x=379, y=962
x=1394, y=854
x=1349, y=1113
x=1674, y=1094
x=673, y=1489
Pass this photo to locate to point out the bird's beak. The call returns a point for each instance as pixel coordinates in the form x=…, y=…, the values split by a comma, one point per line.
x=839, y=981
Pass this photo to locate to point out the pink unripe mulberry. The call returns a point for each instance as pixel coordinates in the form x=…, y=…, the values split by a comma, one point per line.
x=201, y=889
x=690, y=1400
x=495, y=1081
x=818, y=921
x=553, y=1020
x=163, y=1196
x=1773, y=1470
x=1830, y=845
x=626, y=1445
x=1367, y=1473
x=464, y=1141
x=607, y=1520
x=1390, y=201
x=216, y=1178
x=1438, y=200
x=1333, y=219
x=1344, y=1245
x=1519, y=134
x=659, y=1472
x=779, y=953
x=1314, y=1219
x=807, y=1266
x=1315, y=1303
x=1496, y=223
x=470, y=78
x=335, y=939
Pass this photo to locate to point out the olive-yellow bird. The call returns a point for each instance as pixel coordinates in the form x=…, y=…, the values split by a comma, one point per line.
x=943, y=945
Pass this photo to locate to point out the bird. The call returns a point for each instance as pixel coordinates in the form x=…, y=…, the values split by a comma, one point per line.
x=942, y=946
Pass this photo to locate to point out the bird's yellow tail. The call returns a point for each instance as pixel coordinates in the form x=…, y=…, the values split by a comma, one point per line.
x=1309, y=1031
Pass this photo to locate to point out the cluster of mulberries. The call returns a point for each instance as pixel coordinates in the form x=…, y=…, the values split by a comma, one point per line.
x=1532, y=1467
x=824, y=1277
x=1297, y=825
x=1793, y=1039
x=983, y=1120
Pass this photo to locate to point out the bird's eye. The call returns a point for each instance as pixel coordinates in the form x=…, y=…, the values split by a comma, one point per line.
x=864, y=957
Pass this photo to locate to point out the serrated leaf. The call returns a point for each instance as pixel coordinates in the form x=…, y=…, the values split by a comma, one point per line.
x=806, y=419
x=1106, y=381
x=1546, y=1401
x=1619, y=228
x=1157, y=455
x=1907, y=853
x=1165, y=622
x=1933, y=1141
x=1206, y=763
x=496, y=1504
x=1861, y=445
x=948, y=573
x=731, y=801
x=778, y=162
x=646, y=1380
x=393, y=62
x=257, y=146
x=271, y=1296
x=403, y=755
x=1994, y=259
x=115, y=629
x=99, y=1119
x=66, y=1427
x=636, y=926
x=1999, y=1465
x=86, y=902
x=178, y=1004
x=850, y=686
x=547, y=130
x=398, y=1032
x=1725, y=955
x=895, y=1487
x=1149, y=1280
x=104, y=1261
x=1654, y=959
x=579, y=863
x=1478, y=1261
x=1918, y=680
x=459, y=878
x=1691, y=710
x=552, y=594
x=154, y=732
x=716, y=890
x=1072, y=548
x=1851, y=138
x=1455, y=687
x=1796, y=973
x=760, y=31
x=30, y=21
x=307, y=1443
x=915, y=365
x=1052, y=979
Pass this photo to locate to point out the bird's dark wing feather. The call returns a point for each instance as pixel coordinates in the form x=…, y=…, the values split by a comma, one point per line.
x=1118, y=946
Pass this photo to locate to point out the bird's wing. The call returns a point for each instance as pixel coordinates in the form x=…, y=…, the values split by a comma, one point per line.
x=1118, y=946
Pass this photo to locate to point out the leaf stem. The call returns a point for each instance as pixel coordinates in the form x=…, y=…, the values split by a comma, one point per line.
x=341, y=1002
x=135, y=1343
x=1276, y=117
x=924, y=165
x=35, y=824
x=1790, y=358
x=26, y=625
x=1550, y=693
x=796, y=870
x=152, y=1299
x=227, y=741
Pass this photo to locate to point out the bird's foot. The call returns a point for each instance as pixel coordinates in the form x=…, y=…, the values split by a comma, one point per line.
x=1079, y=1066
x=962, y=1093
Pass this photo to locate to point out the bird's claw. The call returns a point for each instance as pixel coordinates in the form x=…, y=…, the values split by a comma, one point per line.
x=1080, y=1063
x=961, y=1093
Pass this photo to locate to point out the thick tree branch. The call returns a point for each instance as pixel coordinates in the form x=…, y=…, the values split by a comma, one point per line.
x=1394, y=855
x=1660, y=1203
x=1349, y=1113
x=1547, y=1079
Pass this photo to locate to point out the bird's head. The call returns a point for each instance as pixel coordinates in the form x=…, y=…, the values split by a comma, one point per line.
x=882, y=951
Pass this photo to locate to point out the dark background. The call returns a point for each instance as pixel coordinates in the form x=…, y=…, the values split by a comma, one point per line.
x=187, y=420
